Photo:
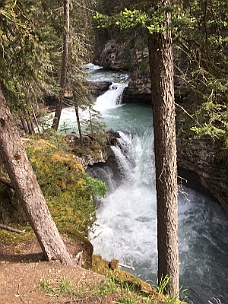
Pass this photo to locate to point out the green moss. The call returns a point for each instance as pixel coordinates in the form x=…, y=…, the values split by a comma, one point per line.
x=69, y=191
x=100, y=266
x=8, y=238
x=125, y=278
x=83, y=243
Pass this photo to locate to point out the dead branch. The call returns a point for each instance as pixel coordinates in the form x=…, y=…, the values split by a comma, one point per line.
x=126, y=266
x=11, y=229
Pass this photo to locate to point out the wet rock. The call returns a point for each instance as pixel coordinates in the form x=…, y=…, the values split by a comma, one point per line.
x=98, y=88
x=111, y=137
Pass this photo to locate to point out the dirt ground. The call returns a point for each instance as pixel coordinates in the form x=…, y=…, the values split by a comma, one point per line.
x=25, y=278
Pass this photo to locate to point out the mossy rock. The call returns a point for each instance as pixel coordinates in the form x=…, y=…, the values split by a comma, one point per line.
x=82, y=244
x=111, y=269
x=100, y=266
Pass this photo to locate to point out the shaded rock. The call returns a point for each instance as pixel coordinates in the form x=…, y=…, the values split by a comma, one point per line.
x=98, y=88
x=111, y=137
x=133, y=94
x=199, y=156
x=114, y=55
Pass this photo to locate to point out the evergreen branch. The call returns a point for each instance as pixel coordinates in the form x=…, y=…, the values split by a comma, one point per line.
x=186, y=112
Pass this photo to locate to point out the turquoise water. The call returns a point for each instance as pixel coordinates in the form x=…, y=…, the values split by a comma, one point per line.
x=126, y=218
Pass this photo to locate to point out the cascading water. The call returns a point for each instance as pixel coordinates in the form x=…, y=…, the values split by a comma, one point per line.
x=109, y=100
x=126, y=218
x=133, y=160
x=112, y=98
x=126, y=226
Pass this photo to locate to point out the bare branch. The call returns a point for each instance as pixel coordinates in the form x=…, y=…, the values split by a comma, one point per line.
x=11, y=229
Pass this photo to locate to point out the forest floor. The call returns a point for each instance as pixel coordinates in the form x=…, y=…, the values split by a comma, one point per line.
x=26, y=279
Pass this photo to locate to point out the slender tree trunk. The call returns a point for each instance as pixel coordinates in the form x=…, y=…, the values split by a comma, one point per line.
x=162, y=85
x=24, y=124
x=36, y=121
x=77, y=117
x=27, y=188
x=30, y=124
x=65, y=55
x=90, y=121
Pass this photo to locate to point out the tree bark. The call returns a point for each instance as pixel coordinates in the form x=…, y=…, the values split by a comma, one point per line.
x=27, y=188
x=162, y=85
x=78, y=117
x=24, y=124
x=65, y=55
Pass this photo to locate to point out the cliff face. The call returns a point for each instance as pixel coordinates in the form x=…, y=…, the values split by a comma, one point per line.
x=132, y=56
x=197, y=156
x=200, y=157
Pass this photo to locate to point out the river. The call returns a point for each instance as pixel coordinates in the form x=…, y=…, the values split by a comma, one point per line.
x=126, y=219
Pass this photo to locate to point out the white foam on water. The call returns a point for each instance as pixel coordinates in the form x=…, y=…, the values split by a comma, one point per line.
x=111, y=98
x=127, y=225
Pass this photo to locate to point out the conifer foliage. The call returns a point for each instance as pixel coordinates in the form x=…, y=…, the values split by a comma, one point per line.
x=30, y=56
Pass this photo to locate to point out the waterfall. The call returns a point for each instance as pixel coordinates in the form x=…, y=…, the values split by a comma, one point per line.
x=111, y=98
x=126, y=219
x=133, y=160
x=126, y=224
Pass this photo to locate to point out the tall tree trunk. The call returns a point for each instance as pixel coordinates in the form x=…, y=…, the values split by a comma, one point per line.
x=64, y=68
x=162, y=86
x=27, y=188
